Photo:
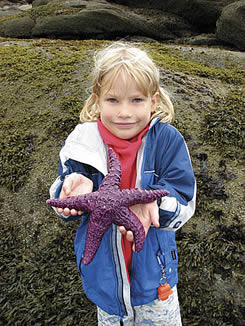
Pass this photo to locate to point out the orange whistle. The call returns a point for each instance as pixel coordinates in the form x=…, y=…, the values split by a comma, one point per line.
x=164, y=291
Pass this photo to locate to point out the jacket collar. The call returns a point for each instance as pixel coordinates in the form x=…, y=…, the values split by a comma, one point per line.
x=85, y=145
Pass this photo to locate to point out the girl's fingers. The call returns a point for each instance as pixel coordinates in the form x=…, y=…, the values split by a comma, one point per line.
x=155, y=220
x=154, y=215
x=67, y=186
x=66, y=211
x=122, y=230
x=130, y=236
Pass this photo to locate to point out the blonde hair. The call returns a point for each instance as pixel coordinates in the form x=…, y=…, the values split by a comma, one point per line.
x=135, y=62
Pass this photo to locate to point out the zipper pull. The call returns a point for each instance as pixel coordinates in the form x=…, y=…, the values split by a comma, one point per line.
x=164, y=290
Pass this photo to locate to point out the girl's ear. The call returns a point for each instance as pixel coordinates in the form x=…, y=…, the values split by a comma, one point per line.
x=154, y=101
x=96, y=101
x=96, y=98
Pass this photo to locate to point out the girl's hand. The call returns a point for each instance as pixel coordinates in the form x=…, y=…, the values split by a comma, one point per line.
x=147, y=214
x=75, y=184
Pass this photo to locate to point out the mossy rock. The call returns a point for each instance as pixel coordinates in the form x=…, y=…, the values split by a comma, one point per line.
x=93, y=19
x=103, y=23
x=38, y=3
x=44, y=85
x=231, y=24
x=20, y=27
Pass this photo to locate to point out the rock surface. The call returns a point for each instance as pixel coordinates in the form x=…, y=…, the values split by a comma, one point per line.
x=175, y=21
x=231, y=24
x=201, y=13
x=96, y=19
x=44, y=85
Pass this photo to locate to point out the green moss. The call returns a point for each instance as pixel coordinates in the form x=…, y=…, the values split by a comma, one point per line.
x=42, y=284
x=53, y=8
x=28, y=64
x=5, y=19
x=46, y=88
x=223, y=124
x=15, y=159
x=215, y=259
x=172, y=59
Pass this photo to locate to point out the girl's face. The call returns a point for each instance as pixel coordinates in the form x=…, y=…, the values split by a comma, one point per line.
x=124, y=110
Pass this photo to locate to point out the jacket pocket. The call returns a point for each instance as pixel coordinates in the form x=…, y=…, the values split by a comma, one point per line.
x=146, y=271
x=168, y=255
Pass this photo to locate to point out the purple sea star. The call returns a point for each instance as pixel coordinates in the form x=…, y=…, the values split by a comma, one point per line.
x=109, y=204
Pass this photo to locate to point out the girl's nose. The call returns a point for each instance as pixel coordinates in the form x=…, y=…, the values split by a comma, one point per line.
x=124, y=111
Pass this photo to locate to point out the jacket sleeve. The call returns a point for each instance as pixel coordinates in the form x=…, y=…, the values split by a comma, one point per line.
x=174, y=173
x=66, y=167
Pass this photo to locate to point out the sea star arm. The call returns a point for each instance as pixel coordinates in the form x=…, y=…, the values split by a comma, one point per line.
x=131, y=222
x=97, y=227
x=113, y=179
x=132, y=197
x=80, y=203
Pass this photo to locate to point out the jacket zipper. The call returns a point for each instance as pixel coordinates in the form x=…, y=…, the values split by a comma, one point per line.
x=116, y=260
x=132, y=268
x=161, y=262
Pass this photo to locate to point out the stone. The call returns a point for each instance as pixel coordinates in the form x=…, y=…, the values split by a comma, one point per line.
x=201, y=13
x=20, y=27
x=9, y=11
x=100, y=20
x=38, y=3
x=231, y=25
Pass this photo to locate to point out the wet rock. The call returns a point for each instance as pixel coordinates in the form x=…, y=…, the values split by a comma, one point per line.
x=21, y=27
x=37, y=3
x=203, y=14
x=231, y=25
x=8, y=8
x=100, y=20
x=9, y=11
x=186, y=22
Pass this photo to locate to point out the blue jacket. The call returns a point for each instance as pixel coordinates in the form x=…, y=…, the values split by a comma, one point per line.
x=163, y=162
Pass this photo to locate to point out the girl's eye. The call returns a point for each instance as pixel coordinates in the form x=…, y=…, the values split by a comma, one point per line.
x=137, y=100
x=112, y=100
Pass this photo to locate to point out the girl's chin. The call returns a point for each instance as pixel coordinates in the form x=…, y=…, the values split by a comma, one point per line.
x=124, y=130
x=125, y=134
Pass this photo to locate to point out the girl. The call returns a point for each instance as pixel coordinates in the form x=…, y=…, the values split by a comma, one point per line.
x=129, y=111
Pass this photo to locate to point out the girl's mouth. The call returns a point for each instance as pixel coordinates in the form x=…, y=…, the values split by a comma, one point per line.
x=125, y=125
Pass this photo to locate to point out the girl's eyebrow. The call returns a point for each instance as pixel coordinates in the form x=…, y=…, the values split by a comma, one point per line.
x=110, y=95
x=138, y=95
x=134, y=95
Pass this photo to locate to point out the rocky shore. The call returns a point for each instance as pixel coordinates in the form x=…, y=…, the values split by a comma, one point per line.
x=220, y=23
x=44, y=83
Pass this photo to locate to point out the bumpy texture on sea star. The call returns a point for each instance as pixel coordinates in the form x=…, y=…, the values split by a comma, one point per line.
x=109, y=204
